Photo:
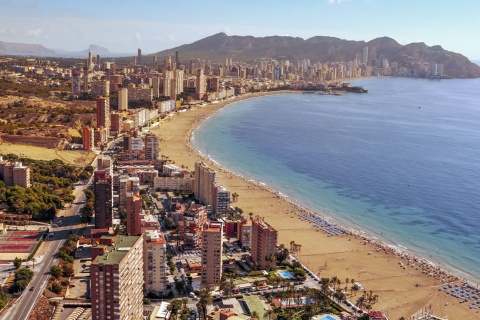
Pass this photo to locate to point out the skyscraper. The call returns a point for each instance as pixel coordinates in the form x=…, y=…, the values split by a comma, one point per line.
x=167, y=83
x=200, y=83
x=205, y=179
x=212, y=239
x=134, y=210
x=103, y=198
x=177, y=60
x=87, y=138
x=264, y=244
x=76, y=83
x=123, y=99
x=139, y=56
x=103, y=112
x=365, y=56
x=151, y=147
x=155, y=63
x=117, y=280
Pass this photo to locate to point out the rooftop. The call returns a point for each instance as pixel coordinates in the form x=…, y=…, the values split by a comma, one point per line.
x=117, y=252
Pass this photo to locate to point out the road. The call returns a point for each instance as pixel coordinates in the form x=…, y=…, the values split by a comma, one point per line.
x=22, y=308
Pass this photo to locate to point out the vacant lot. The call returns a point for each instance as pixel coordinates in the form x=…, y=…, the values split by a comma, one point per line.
x=76, y=157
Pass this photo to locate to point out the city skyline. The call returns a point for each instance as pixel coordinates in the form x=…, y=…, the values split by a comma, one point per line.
x=123, y=27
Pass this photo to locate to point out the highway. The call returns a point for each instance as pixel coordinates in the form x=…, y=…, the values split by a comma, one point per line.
x=22, y=308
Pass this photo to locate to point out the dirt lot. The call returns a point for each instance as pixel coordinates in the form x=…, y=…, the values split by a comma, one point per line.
x=74, y=157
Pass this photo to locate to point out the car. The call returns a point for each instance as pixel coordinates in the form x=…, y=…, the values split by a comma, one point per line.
x=32, y=288
x=51, y=234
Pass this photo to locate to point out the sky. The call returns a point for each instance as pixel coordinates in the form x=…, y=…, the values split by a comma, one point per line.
x=156, y=25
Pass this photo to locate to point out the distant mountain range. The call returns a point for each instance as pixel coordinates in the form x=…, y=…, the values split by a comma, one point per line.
x=248, y=48
x=322, y=49
x=24, y=49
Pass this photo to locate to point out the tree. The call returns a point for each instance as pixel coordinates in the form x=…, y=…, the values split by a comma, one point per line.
x=17, y=263
x=269, y=315
x=56, y=271
x=22, y=278
x=205, y=300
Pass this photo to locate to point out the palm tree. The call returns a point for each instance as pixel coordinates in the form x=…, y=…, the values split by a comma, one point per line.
x=255, y=315
x=251, y=215
x=205, y=300
x=360, y=301
x=333, y=281
x=269, y=315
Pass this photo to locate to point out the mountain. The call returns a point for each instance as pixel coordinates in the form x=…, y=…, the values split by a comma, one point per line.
x=324, y=49
x=24, y=49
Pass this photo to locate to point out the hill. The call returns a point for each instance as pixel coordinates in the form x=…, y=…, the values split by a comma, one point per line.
x=324, y=49
x=24, y=49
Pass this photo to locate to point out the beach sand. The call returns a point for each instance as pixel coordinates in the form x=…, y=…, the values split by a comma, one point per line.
x=401, y=292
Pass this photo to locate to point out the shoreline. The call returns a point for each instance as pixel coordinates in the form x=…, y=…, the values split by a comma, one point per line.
x=294, y=210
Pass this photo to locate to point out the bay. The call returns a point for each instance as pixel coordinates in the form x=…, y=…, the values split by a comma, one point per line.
x=401, y=162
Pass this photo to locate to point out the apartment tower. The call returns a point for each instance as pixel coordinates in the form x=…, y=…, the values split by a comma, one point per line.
x=154, y=261
x=212, y=239
x=117, y=280
x=264, y=244
x=103, y=193
x=204, y=185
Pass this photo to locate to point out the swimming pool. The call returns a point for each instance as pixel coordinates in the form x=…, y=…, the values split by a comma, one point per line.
x=286, y=274
x=328, y=318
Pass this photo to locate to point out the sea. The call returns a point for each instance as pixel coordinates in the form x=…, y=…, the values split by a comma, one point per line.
x=400, y=163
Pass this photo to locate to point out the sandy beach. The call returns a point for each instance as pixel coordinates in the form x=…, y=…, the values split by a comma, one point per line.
x=404, y=283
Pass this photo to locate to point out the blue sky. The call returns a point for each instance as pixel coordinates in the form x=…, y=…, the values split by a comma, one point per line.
x=155, y=25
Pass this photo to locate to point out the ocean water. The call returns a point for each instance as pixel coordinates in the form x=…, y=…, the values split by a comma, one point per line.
x=401, y=163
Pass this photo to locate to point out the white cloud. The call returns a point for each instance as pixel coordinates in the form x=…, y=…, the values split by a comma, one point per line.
x=336, y=1
x=137, y=36
x=35, y=33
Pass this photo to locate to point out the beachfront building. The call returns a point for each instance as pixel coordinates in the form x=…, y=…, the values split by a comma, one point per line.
x=264, y=244
x=117, y=280
x=154, y=261
x=204, y=184
x=244, y=233
x=212, y=238
x=152, y=148
x=134, y=213
x=221, y=200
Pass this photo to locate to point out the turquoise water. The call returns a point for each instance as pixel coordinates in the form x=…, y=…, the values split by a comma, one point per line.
x=400, y=163
x=285, y=274
x=327, y=318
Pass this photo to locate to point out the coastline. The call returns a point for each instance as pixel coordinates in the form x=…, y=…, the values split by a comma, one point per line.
x=371, y=262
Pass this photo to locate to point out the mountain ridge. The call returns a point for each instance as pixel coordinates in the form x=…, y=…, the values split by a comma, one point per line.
x=220, y=46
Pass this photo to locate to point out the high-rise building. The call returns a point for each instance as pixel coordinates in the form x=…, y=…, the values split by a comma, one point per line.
x=200, y=83
x=221, y=200
x=212, y=239
x=167, y=83
x=156, y=86
x=103, y=112
x=134, y=211
x=154, y=261
x=90, y=59
x=365, y=56
x=151, y=147
x=190, y=229
x=103, y=198
x=76, y=82
x=123, y=99
x=167, y=64
x=88, y=139
x=116, y=120
x=139, y=56
x=117, y=280
x=264, y=244
x=85, y=79
x=155, y=63
x=177, y=60
x=205, y=180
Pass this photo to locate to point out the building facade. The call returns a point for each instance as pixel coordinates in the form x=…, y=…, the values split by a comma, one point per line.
x=205, y=179
x=117, y=281
x=264, y=244
x=212, y=239
x=154, y=261
x=103, y=202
